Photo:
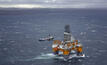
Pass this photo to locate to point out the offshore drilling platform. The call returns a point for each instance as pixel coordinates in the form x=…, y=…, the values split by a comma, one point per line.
x=68, y=49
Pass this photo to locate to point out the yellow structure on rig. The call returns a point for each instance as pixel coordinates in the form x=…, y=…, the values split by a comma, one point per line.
x=60, y=48
x=67, y=47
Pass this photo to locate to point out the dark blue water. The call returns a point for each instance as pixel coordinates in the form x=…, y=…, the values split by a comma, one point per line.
x=21, y=29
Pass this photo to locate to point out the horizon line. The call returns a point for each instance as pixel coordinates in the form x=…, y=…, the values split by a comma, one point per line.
x=31, y=6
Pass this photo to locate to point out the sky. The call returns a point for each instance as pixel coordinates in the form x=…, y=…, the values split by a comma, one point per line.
x=53, y=3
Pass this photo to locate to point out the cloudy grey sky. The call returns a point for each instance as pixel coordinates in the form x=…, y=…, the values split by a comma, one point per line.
x=54, y=3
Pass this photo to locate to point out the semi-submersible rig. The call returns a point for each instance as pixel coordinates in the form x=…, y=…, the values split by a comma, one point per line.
x=68, y=48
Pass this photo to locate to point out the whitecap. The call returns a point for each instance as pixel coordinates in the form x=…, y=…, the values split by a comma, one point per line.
x=93, y=30
x=102, y=51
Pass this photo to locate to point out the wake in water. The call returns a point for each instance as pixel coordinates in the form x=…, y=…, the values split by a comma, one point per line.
x=48, y=56
x=44, y=56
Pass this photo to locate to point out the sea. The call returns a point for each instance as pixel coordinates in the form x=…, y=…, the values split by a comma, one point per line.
x=20, y=30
